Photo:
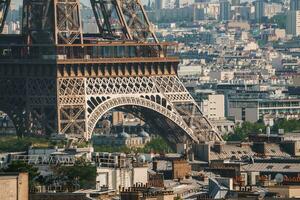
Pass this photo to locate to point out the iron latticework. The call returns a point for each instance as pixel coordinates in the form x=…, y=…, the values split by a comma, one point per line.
x=125, y=19
x=4, y=6
x=51, y=21
x=58, y=81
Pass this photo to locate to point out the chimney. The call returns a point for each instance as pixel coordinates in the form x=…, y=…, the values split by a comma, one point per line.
x=259, y=147
x=154, y=165
x=218, y=147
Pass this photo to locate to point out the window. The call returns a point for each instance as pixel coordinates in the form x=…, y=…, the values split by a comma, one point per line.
x=243, y=114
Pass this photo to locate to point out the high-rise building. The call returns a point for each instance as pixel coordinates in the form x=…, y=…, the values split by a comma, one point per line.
x=165, y=4
x=293, y=23
x=235, y=2
x=259, y=10
x=294, y=5
x=158, y=4
x=224, y=11
x=245, y=13
x=201, y=1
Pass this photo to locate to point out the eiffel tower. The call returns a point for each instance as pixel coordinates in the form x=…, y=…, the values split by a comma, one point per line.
x=55, y=79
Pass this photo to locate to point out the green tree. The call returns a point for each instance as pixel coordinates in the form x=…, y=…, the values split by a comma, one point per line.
x=242, y=132
x=20, y=166
x=14, y=143
x=82, y=173
x=111, y=149
x=287, y=125
x=280, y=20
x=158, y=145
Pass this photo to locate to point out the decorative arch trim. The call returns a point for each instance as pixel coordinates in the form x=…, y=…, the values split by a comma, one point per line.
x=109, y=104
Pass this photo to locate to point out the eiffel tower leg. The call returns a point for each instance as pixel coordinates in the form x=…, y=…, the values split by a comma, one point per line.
x=14, y=107
x=71, y=107
x=41, y=106
x=30, y=103
x=13, y=102
x=164, y=95
x=18, y=118
x=187, y=108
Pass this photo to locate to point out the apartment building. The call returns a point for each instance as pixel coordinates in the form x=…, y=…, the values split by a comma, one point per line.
x=252, y=110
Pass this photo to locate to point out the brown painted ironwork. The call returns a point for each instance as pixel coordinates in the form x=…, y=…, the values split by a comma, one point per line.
x=4, y=6
x=58, y=81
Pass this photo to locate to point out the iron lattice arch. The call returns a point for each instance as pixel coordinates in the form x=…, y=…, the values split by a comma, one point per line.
x=163, y=95
x=55, y=80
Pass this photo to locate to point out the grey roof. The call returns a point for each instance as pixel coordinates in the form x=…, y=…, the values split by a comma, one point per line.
x=232, y=150
x=238, y=150
x=272, y=167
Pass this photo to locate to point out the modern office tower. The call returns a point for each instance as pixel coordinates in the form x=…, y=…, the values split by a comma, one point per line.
x=259, y=10
x=201, y=1
x=158, y=4
x=165, y=4
x=245, y=13
x=224, y=14
x=294, y=5
x=293, y=23
x=235, y=2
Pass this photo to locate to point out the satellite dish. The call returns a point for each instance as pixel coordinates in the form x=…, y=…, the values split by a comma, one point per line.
x=279, y=178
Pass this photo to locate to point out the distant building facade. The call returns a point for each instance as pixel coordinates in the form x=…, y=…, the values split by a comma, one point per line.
x=14, y=186
x=259, y=10
x=225, y=9
x=213, y=106
x=122, y=139
x=253, y=110
x=116, y=170
x=294, y=5
x=293, y=23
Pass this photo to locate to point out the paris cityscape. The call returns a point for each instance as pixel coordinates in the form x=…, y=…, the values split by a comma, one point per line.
x=149, y=100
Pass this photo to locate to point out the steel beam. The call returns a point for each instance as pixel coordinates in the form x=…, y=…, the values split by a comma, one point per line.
x=4, y=7
x=67, y=19
x=127, y=17
x=56, y=84
x=52, y=21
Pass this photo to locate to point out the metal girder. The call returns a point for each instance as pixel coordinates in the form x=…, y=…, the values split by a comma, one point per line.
x=125, y=19
x=4, y=7
x=82, y=102
x=103, y=21
x=67, y=21
x=59, y=21
x=30, y=103
x=70, y=95
x=37, y=23
x=51, y=21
